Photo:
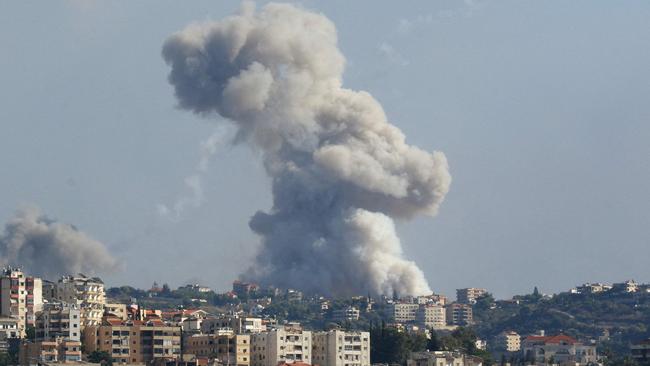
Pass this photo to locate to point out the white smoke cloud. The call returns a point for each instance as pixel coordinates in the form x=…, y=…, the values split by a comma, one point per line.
x=47, y=248
x=340, y=170
x=194, y=196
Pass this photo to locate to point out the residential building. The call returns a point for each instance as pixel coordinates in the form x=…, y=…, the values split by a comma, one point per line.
x=20, y=297
x=226, y=348
x=84, y=291
x=459, y=314
x=294, y=295
x=469, y=295
x=442, y=358
x=58, y=321
x=116, y=310
x=404, y=312
x=593, y=288
x=561, y=349
x=348, y=313
x=641, y=351
x=243, y=289
x=238, y=324
x=433, y=299
x=58, y=350
x=134, y=341
x=340, y=348
x=627, y=286
x=508, y=341
x=431, y=316
x=8, y=333
x=288, y=344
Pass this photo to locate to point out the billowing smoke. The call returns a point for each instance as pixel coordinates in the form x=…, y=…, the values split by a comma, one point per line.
x=46, y=248
x=340, y=170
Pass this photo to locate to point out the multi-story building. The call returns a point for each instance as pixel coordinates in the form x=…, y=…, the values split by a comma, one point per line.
x=469, y=295
x=641, y=351
x=348, y=313
x=442, y=358
x=58, y=321
x=340, y=348
x=116, y=310
x=20, y=297
x=561, y=349
x=459, y=314
x=8, y=332
x=509, y=341
x=226, y=348
x=58, y=350
x=281, y=345
x=84, y=291
x=237, y=324
x=431, y=316
x=627, y=286
x=134, y=341
x=404, y=312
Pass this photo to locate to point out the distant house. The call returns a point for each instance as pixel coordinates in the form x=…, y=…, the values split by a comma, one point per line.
x=560, y=349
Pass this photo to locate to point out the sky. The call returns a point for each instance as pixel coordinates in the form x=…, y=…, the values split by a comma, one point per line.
x=542, y=109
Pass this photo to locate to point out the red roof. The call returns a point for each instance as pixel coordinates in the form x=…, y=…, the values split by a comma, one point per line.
x=560, y=338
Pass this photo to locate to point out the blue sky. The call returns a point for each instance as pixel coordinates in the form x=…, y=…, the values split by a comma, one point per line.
x=542, y=109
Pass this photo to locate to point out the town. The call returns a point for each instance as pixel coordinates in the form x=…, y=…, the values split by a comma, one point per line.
x=75, y=319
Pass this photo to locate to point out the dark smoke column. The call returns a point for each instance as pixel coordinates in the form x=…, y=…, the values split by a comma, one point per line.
x=340, y=170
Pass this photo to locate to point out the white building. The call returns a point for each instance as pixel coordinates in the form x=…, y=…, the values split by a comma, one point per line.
x=88, y=293
x=281, y=345
x=469, y=295
x=442, y=358
x=509, y=341
x=404, y=312
x=340, y=348
x=349, y=313
x=431, y=316
x=20, y=297
x=58, y=321
x=237, y=324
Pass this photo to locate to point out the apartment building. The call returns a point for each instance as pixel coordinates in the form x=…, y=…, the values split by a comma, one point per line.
x=8, y=332
x=348, y=313
x=52, y=351
x=58, y=321
x=459, y=314
x=431, y=316
x=561, y=348
x=469, y=295
x=134, y=341
x=404, y=312
x=84, y=291
x=442, y=358
x=641, y=351
x=340, y=348
x=237, y=324
x=288, y=344
x=116, y=310
x=226, y=348
x=509, y=341
x=20, y=297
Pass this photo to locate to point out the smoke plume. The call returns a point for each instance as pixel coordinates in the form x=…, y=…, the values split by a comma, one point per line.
x=46, y=248
x=194, y=183
x=340, y=171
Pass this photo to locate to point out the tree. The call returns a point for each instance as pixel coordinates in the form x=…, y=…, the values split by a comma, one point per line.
x=102, y=357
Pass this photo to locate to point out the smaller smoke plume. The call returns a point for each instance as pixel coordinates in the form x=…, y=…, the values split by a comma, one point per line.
x=194, y=183
x=46, y=248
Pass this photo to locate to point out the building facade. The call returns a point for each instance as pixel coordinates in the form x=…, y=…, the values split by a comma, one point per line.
x=459, y=314
x=134, y=341
x=281, y=345
x=20, y=297
x=509, y=341
x=226, y=348
x=52, y=351
x=431, y=316
x=404, y=312
x=58, y=321
x=442, y=358
x=88, y=293
x=341, y=348
x=560, y=349
x=239, y=325
x=469, y=295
